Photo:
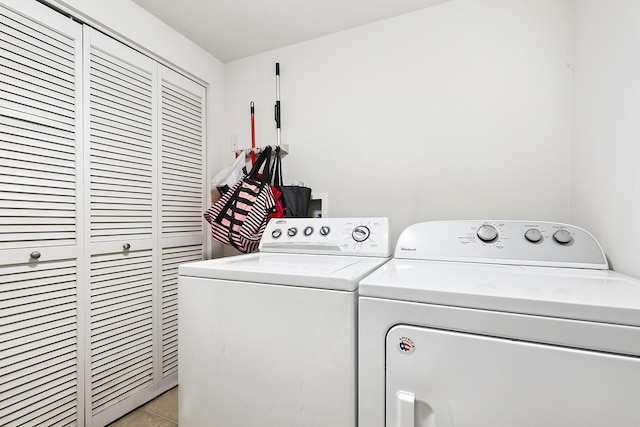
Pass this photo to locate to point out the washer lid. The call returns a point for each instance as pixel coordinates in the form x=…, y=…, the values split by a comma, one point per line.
x=314, y=271
x=592, y=295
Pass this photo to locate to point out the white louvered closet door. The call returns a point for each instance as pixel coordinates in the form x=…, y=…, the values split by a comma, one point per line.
x=121, y=126
x=182, y=134
x=40, y=229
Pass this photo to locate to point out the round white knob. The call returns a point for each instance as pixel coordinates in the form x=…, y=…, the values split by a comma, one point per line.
x=276, y=233
x=292, y=231
x=308, y=231
x=487, y=233
x=360, y=233
x=533, y=235
x=324, y=230
x=562, y=236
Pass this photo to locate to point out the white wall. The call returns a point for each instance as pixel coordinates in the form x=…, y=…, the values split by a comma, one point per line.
x=130, y=23
x=606, y=149
x=462, y=110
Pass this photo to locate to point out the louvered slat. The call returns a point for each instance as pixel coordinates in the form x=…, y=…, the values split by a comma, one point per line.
x=38, y=345
x=121, y=326
x=171, y=258
x=121, y=134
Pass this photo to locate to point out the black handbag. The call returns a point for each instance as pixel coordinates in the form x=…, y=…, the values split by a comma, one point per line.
x=295, y=199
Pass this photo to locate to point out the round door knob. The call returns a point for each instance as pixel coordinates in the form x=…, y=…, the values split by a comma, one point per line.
x=126, y=246
x=35, y=255
x=487, y=233
x=562, y=236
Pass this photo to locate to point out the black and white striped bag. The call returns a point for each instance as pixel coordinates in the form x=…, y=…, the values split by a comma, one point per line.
x=240, y=216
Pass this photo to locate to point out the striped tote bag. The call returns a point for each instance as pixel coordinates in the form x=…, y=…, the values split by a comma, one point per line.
x=240, y=216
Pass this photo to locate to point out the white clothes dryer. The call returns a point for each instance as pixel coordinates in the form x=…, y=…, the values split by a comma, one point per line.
x=269, y=339
x=498, y=324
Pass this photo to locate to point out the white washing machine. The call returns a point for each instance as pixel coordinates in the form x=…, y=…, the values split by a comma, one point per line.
x=269, y=339
x=498, y=324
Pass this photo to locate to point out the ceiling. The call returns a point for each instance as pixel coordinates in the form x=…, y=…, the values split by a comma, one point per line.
x=234, y=29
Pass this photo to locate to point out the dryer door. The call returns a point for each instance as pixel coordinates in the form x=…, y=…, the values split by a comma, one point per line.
x=438, y=378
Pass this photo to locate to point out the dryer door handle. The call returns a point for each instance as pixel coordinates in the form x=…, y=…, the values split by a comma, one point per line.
x=405, y=409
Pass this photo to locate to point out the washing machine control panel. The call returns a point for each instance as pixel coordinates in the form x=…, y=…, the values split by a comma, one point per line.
x=502, y=242
x=343, y=236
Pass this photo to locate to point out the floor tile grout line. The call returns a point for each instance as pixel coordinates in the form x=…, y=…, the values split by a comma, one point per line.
x=161, y=416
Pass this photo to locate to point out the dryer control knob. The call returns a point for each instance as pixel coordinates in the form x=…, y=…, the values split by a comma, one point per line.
x=533, y=235
x=562, y=236
x=487, y=233
x=276, y=233
x=308, y=231
x=360, y=233
x=324, y=230
x=292, y=231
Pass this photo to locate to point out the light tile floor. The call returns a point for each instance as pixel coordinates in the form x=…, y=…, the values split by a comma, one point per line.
x=160, y=412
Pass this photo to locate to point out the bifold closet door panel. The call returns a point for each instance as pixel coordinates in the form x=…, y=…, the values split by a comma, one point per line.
x=120, y=199
x=122, y=96
x=40, y=77
x=172, y=257
x=182, y=154
x=40, y=227
x=121, y=323
x=39, y=344
x=39, y=50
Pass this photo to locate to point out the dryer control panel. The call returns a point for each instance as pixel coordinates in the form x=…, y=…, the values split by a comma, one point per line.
x=536, y=243
x=340, y=236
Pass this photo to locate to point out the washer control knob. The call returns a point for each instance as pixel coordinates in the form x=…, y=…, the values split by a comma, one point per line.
x=292, y=231
x=324, y=230
x=277, y=233
x=533, y=235
x=360, y=233
x=562, y=236
x=308, y=231
x=487, y=233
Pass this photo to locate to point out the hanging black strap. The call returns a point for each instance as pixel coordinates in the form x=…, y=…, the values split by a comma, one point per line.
x=265, y=158
x=277, y=169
